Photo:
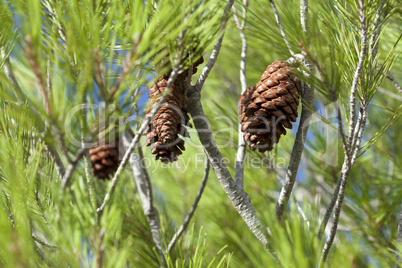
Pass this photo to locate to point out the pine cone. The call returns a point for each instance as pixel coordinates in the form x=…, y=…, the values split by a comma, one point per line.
x=104, y=157
x=270, y=107
x=169, y=121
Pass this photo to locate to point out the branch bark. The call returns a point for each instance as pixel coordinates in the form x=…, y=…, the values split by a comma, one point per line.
x=282, y=30
x=144, y=188
x=354, y=137
x=241, y=148
x=215, y=52
x=308, y=97
x=239, y=198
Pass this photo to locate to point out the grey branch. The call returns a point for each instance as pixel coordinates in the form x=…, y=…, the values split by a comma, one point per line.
x=241, y=148
x=240, y=199
x=329, y=210
x=135, y=140
x=399, y=239
x=71, y=167
x=398, y=87
x=304, y=15
x=278, y=21
x=338, y=204
x=375, y=28
x=190, y=214
x=215, y=52
x=297, y=150
x=144, y=189
x=43, y=243
x=390, y=94
x=352, y=102
x=355, y=136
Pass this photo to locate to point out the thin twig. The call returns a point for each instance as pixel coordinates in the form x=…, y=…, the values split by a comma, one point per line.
x=100, y=248
x=71, y=167
x=144, y=189
x=304, y=18
x=352, y=102
x=398, y=87
x=375, y=28
x=135, y=140
x=190, y=214
x=353, y=140
x=241, y=148
x=297, y=150
x=11, y=77
x=299, y=208
x=43, y=243
x=332, y=96
x=329, y=210
x=278, y=21
x=215, y=52
x=390, y=94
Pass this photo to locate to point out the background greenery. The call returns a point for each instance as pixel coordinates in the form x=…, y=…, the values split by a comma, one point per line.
x=61, y=46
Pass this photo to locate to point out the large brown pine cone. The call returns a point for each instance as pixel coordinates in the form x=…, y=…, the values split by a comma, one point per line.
x=169, y=121
x=270, y=107
x=104, y=157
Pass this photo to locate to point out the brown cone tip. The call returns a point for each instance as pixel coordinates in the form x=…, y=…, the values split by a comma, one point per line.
x=104, y=158
x=268, y=108
x=168, y=122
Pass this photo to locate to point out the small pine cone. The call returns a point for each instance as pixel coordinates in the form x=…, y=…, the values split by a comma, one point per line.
x=169, y=121
x=104, y=157
x=270, y=107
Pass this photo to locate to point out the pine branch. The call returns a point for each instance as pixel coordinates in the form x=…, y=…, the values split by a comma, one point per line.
x=144, y=188
x=390, y=94
x=308, y=101
x=375, y=29
x=278, y=21
x=329, y=210
x=355, y=136
x=304, y=18
x=217, y=47
x=353, y=90
x=71, y=167
x=241, y=148
x=239, y=198
x=43, y=243
x=398, y=87
x=190, y=214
